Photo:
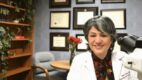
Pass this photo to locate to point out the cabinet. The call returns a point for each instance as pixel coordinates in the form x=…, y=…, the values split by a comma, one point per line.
x=21, y=50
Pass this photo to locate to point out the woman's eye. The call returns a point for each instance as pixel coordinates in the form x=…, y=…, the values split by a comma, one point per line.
x=92, y=35
x=104, y=35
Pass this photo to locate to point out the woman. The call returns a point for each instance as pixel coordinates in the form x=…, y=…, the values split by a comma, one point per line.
x=100, y=62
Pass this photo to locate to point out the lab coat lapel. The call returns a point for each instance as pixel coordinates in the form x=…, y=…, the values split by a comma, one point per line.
x=89, y=66
x=117, y=66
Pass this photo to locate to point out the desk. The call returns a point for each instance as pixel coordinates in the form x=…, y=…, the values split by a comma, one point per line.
x=61, y=64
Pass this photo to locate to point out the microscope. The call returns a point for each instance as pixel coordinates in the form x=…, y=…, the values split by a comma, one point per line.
x=133, y=46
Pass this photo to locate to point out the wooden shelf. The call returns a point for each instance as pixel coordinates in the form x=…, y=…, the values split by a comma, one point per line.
x=19, y=65
x=2, y=75
x=19, y=56
x=14, y=24
x=18, y=70
x=8, y=6
x=15, y=71
x=21, y=40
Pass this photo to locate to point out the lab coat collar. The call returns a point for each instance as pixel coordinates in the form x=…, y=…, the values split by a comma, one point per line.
x=90, y=66
x=117, y=65
x=116, y=62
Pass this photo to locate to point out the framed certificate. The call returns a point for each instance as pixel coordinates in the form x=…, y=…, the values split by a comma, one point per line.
x=83, y=46
x=112, y=1
x=59, y=3
x=59, y=20
x=82, y=14
x=118, y=16
x=84, y=1
x=58, y=41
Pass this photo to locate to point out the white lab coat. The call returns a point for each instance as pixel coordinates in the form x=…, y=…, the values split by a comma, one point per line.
x=83, y=69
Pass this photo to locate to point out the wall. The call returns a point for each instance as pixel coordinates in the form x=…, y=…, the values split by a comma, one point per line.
x=133, y=22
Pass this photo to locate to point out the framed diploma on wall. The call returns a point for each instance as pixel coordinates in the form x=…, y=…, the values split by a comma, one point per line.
x=82, y=14
x=118, y=16
x=58, y=41
x=59, y=20
x=83, y=46
x=59, y=3
x=112, y=1
x=84, y=1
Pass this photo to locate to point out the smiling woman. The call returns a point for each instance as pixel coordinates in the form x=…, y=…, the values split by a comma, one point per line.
x=100, y=62
x=99, y=42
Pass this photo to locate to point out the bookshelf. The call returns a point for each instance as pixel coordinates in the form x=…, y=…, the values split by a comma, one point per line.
x=21, y=50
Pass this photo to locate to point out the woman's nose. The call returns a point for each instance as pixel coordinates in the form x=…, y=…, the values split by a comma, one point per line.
x=98, y=40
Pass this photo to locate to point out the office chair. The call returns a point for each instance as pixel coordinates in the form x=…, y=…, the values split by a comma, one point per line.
x=42, y=68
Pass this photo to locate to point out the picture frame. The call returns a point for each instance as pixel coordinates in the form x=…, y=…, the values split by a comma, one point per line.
x=58, y=41
x=83, y=46
x=59, y=20
x=82, y=14
x=118, y=16
x=59, y=3
x=85, y=1
x=112, y=1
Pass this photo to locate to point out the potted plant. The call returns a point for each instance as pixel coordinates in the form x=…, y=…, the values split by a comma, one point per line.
x=73, y=42
x=5, y=39
x=30, y=9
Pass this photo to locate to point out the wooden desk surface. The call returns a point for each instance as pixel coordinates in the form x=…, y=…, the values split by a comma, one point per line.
x=61, y=64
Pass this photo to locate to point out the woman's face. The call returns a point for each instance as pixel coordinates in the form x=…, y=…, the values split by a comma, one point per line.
x=99, y=42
